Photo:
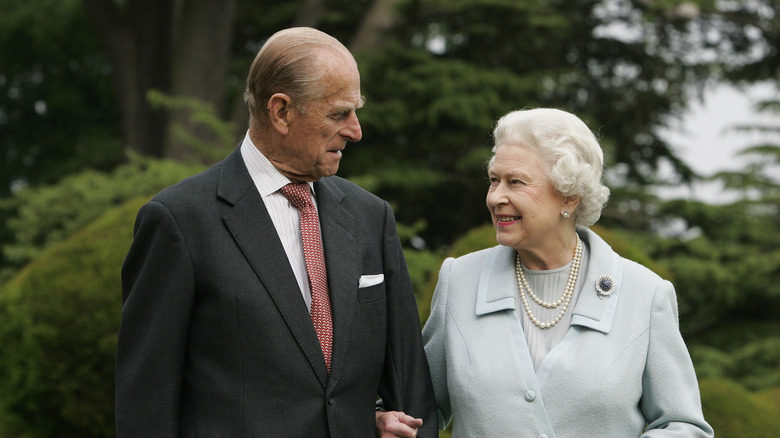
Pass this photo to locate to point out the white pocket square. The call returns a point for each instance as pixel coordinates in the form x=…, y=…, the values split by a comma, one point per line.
x=371, y=280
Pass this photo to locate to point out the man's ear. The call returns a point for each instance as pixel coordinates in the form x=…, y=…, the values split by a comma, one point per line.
x=280, y=112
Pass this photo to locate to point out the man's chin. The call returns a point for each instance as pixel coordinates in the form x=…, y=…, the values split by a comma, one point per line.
x=328, y=170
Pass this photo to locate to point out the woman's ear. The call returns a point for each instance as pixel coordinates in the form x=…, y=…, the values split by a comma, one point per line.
x=280, y=112
x=571, y=203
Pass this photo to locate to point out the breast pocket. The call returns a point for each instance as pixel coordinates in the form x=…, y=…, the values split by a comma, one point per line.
x=371, y=294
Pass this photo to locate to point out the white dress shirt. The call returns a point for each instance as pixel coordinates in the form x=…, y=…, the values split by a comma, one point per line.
x=284, y=215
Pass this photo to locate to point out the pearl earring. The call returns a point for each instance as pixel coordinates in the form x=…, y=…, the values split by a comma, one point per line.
x=565, y=213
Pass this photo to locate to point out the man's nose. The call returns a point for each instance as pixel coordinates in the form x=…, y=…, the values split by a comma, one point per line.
x=352, y=131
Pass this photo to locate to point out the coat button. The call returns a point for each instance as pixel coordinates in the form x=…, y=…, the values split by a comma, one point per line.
x=530, y=396
x=544, y=435
x=330, y=401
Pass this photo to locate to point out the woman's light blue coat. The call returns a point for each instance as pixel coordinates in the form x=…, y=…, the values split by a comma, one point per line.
x=622, y=365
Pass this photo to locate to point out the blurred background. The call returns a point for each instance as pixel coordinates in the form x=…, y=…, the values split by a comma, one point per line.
x=105, y=102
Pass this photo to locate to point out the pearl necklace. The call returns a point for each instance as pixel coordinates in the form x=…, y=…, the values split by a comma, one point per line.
x=564, y=300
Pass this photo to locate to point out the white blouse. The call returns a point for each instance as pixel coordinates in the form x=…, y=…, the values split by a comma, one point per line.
x=549, y=285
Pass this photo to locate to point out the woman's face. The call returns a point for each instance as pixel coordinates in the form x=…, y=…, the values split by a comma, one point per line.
x=524, y=206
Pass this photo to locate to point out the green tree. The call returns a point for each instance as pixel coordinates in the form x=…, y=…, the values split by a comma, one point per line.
x=163, y=45
x=724, y=260
x=56, y=110
x=449, y=69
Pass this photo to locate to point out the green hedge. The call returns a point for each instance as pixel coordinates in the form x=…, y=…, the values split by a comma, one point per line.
x=735, y=412
x=38, y=217
x=60, y=318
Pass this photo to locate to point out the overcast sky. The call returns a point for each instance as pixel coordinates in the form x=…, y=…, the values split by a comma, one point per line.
x=702, y=138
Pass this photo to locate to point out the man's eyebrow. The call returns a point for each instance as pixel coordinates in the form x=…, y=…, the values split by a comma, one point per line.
x=349, y=106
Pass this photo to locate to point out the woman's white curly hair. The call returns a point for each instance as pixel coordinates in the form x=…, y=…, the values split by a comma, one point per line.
x=571, y=150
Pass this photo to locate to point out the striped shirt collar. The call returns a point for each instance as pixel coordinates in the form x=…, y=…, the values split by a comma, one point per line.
x=266, y=177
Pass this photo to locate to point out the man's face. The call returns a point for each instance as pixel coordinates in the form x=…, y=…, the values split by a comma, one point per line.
x=320, y=130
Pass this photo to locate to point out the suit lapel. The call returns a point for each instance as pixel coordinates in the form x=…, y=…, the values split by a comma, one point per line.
x=254, y=233
x=340, y=246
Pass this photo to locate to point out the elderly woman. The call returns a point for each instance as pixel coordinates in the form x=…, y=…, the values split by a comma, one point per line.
x=551, y=333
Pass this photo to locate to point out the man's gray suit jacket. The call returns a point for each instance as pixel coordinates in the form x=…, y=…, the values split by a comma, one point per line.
x=216, y=340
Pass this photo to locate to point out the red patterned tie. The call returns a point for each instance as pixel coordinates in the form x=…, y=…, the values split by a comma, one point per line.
x=299, y=195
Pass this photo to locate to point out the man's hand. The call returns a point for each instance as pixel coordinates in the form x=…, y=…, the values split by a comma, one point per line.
x=396, y=424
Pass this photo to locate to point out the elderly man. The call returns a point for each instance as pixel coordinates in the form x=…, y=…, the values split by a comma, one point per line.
x=266, y=296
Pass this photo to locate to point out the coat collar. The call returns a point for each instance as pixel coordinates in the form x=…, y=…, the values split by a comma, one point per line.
x=497, y=289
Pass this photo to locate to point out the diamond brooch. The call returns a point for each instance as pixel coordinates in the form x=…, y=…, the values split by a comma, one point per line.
x=605, y=285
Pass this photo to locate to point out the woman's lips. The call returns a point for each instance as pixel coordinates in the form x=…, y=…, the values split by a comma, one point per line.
x=504, y=221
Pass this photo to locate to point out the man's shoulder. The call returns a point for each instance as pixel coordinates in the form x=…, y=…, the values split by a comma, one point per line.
x=197, y=189
x=190, y=185
x=349, y=190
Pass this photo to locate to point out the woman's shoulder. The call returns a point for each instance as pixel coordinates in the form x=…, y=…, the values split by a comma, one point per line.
x=466, y=270
x=477, y=258
x=640, y=272
x=603, y=254
x=635, y=281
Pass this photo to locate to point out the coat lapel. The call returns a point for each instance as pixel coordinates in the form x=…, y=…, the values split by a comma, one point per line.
x=497, y=287
x=497, y=284
x=255, y=234
x=340, y=246
x=591, y=310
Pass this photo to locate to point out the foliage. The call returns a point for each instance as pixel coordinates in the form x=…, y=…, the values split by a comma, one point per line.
x=199, y=113
x=38, y=217
x=434, y=154
x=451, y=68
x=423, y=265
x=60, y=318
x=733, y=412
x=434, y=85
x=753, y=364
x=56, y=114
x=726, y=262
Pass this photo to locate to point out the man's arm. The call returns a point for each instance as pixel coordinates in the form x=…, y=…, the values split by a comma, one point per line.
x=157, y=285
x=406, y=383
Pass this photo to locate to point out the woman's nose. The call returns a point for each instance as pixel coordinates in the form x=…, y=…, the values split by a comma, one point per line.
x=496, y=195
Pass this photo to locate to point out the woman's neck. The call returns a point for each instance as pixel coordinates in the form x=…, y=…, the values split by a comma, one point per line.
x=555, y=253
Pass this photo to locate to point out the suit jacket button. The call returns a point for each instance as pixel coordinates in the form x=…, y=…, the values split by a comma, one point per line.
x=330, y=401
x=530, y=395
